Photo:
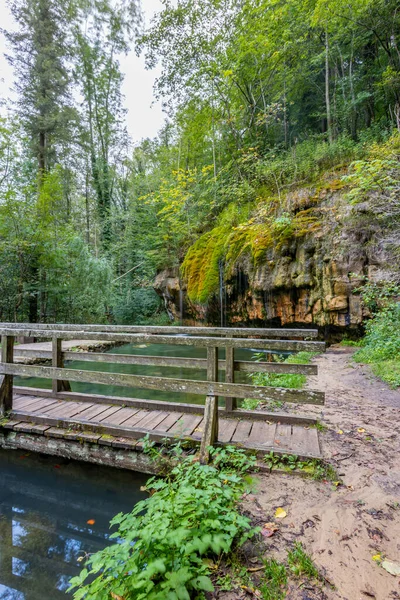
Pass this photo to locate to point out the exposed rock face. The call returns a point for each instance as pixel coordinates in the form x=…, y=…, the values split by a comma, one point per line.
x=309, y=280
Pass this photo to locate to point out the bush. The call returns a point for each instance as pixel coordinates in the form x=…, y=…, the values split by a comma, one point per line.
x=381, y=345
x=162, y=543
x=136, y=305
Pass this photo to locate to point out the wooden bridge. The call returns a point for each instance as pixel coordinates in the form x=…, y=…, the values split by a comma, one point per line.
x=122, y=422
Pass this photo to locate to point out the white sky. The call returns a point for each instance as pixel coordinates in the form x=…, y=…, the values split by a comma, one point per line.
x=145, y=117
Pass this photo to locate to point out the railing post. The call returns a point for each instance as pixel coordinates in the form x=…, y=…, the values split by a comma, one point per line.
x=230, y=403
x=6, y=381
x=210, y=429
x=58, y=385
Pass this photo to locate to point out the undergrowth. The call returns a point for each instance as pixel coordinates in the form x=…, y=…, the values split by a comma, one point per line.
x=163, y=545
x=315, y=468
x=282, y=380
x=381, y=345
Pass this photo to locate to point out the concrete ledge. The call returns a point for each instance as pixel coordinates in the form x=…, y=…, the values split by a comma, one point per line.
x=116, y=453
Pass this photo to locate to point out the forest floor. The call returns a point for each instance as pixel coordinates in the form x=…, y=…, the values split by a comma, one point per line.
x=342, y=526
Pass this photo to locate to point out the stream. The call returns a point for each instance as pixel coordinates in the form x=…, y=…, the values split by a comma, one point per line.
x=53, y=511
x=156, y=371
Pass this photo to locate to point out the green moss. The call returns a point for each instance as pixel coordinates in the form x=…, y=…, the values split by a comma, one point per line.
x=236, y=235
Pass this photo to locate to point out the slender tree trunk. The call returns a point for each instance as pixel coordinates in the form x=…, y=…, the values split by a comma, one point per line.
x=327, y=90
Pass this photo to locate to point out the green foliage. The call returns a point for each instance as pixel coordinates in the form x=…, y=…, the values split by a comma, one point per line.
x=162, y=543
x=285, y=380
x=381, y=345
x=316, y=469
x=301, y=564
x=274, y=580
x=136, y=306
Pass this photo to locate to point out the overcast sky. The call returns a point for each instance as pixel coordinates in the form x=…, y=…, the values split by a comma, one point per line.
x=144, y=117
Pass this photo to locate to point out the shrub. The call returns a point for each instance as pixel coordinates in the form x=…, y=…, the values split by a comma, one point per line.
x=162, y=543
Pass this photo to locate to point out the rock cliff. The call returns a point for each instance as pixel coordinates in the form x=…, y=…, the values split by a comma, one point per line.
x=307, y=279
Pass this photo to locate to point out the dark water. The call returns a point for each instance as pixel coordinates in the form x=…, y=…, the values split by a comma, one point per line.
x=152, y=350
x=45, y=504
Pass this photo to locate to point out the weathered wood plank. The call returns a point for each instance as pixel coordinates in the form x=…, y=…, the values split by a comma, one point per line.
x=242, y=431
x=304, y=441
x=142, y=338
x=152, y=419
x=40, y=404
x=58, y=385
x=169, y=421
x=171, y=361
x=262, y=434
x=119, y=417
x=93, y=411
x=210, y=426
x=207, y=388
x=154, y=329
x=174, y=406
x=185, y=425
x=283, y=435
x=105, y=428
x=226, y=429
x=6, y=381
x=230, y=403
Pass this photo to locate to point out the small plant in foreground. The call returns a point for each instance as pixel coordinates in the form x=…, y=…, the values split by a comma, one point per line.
x=191, y=515
x=231, y=458
x=301, y=564
x=274, y=581
x=317, y=469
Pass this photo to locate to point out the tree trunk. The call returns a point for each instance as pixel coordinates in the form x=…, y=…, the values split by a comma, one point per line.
x=327, y=91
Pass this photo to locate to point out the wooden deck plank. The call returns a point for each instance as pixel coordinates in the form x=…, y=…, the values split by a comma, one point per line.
x=135, y=417
x=242, y=431
x=119, y=417
x=110, y=410
x=66, y=409
x=93, y=411
x=283, y=437
x=185, y=425
x=262, y=434
x=22, y=402
x=226, y=429
x=197, y=433
x=152, y=419
x=38, y=403
x=305, y=441
x=169, y=421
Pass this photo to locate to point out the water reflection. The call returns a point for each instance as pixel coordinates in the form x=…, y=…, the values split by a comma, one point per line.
x=45, y=506
x=156, y=371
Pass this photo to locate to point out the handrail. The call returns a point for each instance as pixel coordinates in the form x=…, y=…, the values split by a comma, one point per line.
x=211, y=388
x=170, y=329
x=168, y=361
x=137, y=338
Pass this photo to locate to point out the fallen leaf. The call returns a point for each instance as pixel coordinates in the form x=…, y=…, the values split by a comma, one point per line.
x=361, y=430
x=280, y=513
x=91, y=522
x=116, y=597
x=337, y=483
x=269, y=529
x=57, y=467
x=340, y=432
x=391, y=567
x=376, y=557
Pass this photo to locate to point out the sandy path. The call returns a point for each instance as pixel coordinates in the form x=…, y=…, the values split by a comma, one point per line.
x=343, y=527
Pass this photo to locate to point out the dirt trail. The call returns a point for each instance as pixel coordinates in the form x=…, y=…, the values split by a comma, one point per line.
x=344, y=527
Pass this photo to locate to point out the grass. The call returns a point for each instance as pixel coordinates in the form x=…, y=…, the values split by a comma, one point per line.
x=388, y=371
x=301, y=564
x=282, y=380
x=381, y=345
x=351, y=343
x=274, y=581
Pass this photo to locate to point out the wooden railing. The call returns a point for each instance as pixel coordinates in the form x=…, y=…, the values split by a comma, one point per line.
x=229, y=339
